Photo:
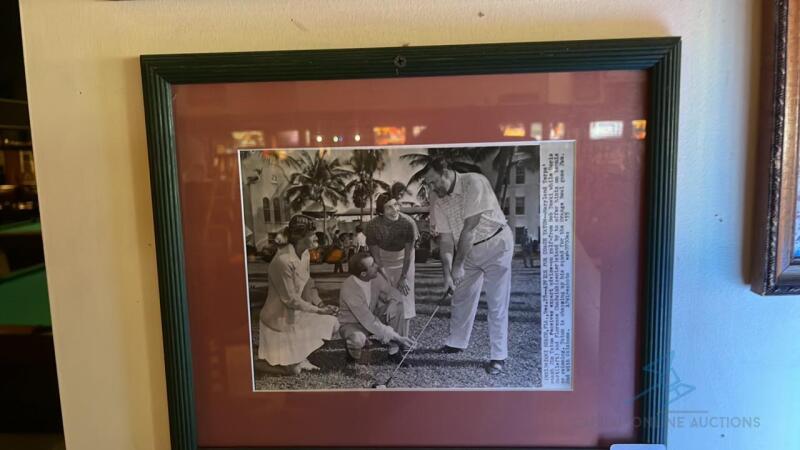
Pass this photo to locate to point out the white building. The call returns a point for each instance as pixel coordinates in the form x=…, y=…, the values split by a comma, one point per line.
x=266, y=211
x=521, y=204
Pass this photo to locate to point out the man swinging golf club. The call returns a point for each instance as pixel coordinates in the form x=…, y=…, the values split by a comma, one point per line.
x=476, y=247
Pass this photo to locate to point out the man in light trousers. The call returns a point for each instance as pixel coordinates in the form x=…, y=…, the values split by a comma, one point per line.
x=476, y=248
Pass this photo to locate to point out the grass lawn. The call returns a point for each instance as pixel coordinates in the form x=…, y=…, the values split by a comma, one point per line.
x=425, y=367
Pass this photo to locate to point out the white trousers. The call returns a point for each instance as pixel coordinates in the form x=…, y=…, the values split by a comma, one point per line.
x=488, y=266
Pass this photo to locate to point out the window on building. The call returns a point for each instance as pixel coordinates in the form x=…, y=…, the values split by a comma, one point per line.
x=267, y=210
x=520, y=174
x=506, y=205
x=287, y=212
x=519, y=206
x=277, y=209
x=519, y=235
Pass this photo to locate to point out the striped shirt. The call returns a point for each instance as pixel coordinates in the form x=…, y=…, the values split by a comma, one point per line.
x=471, y=195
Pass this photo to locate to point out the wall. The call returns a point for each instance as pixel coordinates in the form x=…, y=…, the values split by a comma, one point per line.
x=739, y=351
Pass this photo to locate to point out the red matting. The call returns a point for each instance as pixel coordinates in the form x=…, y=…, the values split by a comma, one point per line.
x=456, y=109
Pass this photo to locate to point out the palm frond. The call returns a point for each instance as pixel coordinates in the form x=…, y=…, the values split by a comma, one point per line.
x=418, y=176
x=479, y=155
x=381, y=184
x=416, y=159
x=465, y=167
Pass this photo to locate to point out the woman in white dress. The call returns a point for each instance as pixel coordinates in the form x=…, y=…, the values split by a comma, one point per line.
x=293, y=321
x=391, y=236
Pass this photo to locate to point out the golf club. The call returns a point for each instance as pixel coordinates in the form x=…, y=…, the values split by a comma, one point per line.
x=385, y=384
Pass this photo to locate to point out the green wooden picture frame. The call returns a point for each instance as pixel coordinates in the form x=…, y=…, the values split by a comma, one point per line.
x=660, y=57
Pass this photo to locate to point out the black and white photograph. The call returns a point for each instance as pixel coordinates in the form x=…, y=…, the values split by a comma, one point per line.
x=410, y=267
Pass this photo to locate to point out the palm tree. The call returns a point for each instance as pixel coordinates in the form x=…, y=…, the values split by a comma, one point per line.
x=466, y=159
x=365, y=163
x=459, y=159
x=422, y=195
x=359, y=198
x=319, y=179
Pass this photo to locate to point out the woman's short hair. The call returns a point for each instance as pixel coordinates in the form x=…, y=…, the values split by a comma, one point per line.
x=381, y=201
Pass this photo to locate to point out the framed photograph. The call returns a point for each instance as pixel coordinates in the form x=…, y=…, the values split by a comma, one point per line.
x=453, y=246
x=776, y=247
x=375, y=250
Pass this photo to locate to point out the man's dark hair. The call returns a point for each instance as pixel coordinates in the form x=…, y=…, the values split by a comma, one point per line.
x=359, y=229
x=438, y=165
x=356, y=264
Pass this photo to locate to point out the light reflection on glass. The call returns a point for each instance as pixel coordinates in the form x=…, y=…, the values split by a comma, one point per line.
x=537, y=131
x=389, y=135
x=513, y=130
x=606, y=129
x=289, y=137
x=557, y=130
x=248, y=138
x=639, y=129
x=280, y=154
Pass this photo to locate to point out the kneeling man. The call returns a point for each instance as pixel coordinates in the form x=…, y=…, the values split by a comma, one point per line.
x=360, y=316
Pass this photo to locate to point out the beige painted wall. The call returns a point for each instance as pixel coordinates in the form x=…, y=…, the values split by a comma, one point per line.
x=88, y=129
